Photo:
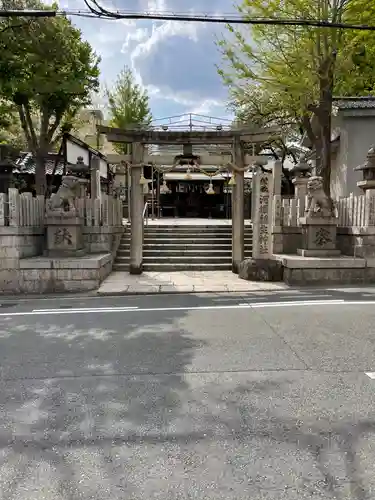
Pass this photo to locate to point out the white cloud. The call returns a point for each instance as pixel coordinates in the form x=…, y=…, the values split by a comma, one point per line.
x=174, y=61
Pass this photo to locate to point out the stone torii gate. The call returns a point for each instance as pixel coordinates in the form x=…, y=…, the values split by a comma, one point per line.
x=235, y=140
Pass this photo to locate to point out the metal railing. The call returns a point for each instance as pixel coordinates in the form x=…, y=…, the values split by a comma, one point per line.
x=145, y=214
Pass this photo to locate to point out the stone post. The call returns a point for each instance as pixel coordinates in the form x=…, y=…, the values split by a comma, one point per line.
x=302, y=173
x=276, y=200
x=238, y=221
x=136, y=210
x=95, y=178
x=363, y=245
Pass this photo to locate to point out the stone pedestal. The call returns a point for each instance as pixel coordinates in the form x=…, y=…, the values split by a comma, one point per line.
x=64, y=235
x=300, y=187
x=318, y=237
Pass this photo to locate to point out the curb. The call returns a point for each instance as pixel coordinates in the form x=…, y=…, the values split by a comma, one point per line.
x=182, y=292
x=150, y=292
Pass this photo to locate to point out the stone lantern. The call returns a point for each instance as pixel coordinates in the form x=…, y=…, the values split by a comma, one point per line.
x=80, y=169
x=301, y=173
x=82, y=172
x=368, y=171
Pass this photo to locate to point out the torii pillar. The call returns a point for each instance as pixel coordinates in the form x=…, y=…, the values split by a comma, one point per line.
x=238, y=216
x=136, y=210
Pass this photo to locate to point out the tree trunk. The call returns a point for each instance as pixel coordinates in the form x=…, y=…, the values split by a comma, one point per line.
x=326, y=154
x=324, y=114
x=40, y=175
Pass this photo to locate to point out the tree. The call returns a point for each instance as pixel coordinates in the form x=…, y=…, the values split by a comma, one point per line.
x=47, y=71
x=297, y=70
x=10, y=127
x=128, y=105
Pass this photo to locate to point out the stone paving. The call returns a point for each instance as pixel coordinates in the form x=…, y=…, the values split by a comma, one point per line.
x=119, y=283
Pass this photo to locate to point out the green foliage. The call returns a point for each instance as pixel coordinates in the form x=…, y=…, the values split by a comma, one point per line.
x=288, y=60
x=282, y=75
x=10, y=127
x=47, y=71
x=128, y=105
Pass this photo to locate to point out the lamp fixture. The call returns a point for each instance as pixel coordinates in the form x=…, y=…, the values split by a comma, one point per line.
x=232, y=181
x=143, y=181
x=210, y=189
x=164, y=189
x=188, y=175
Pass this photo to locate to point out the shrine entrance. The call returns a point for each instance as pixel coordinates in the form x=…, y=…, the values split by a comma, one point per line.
x=188, y=173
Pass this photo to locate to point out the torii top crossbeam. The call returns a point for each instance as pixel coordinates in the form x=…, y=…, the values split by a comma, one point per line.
x=186, y=137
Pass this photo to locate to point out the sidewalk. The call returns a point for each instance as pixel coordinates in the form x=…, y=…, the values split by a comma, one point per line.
x=122, y=283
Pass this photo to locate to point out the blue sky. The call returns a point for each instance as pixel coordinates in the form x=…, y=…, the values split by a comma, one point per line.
x=174, y=61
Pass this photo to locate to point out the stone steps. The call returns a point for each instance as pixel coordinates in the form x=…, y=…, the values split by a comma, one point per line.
x=171, y=267
x=191, y=236
x=184, y=248
x=181, y=249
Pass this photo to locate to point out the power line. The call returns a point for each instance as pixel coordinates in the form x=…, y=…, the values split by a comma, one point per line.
x=97, y=11
x=27, y=13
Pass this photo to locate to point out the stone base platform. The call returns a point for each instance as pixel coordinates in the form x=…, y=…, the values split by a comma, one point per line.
x=341, y=270
x=40, y=275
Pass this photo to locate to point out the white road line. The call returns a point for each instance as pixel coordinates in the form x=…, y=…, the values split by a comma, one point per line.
x=305, y=295
x=247, y=305
x=85, y=309
x=371, y=375
x=187, y=308
x=292, y=303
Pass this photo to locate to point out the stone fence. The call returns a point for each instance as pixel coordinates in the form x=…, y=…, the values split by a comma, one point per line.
x=24, y=266
x=355, y=219
x=21, y=210
x=24, y=210
x=352, y=211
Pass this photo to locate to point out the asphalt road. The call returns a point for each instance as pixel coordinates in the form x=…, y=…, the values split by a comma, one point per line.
x=265, y=396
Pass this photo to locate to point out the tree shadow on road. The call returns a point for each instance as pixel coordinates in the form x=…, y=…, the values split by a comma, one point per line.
x=83, y=406
x=70, y=385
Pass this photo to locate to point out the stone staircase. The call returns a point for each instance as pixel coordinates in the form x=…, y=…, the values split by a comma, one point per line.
x=184, y=248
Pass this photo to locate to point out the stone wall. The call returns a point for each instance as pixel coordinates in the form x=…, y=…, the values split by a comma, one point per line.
x=351, y=241
x=357, y=241
x=24, y=268
x=344, y=270
x=41, y=275
x=17, y=243
x=286, y=239
x=102, y=238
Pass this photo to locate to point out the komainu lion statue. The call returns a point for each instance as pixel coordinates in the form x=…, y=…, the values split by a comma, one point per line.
x=318, y=204
x=64, y=198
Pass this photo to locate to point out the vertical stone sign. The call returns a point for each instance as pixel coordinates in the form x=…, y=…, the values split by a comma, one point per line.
x=262, y=214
